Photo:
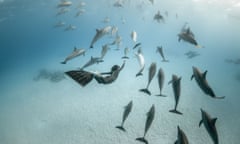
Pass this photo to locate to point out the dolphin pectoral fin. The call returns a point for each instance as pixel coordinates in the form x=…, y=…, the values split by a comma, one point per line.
x=121, y=128
x=179, y=38
x=170, y=81
x=213, y=121
x=192, y=76
x=176, y=111
x=145, y=91
x=200, y=123
x=142, y=139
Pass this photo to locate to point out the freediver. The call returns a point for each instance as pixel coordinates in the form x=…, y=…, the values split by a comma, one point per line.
x=84, y=77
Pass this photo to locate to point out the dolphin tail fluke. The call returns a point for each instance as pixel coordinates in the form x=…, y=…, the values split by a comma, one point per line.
x=222, y=97
x=176, y=111
x=161, y=95
x=125, y=57
x=139, y=74
x=121, y=128
x=142, y=139
x=145, y=91
x=64, y=62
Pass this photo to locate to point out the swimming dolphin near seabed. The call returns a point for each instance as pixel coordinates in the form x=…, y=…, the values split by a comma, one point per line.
x=127, y=110
x=150, y=117
x=100, y=33
x=141, y=61
x=64, y=3
x=76, y=52
x=105, y=48
x=152, y=72
x=160, y=50
x=126, y=50
x=182, y=138
x=209, y=124
x=176, y=85
x=202, y=83
x=158, y=17
x=70, y=27
x=59, y=24
x=92, y=61
x=161, y=78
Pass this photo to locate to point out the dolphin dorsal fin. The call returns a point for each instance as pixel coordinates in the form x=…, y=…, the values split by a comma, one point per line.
x=75, y=48
x=204, y=74
x=213, y=121
x=192, y=76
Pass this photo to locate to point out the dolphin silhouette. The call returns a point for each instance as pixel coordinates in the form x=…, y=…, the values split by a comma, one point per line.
x=127, y=110
x=76, y=52
x=202, y=83
x=92, y=61
x=150, y=117
x=176, y=85
x=209, y=124
x=160, y=50
x=99, y=34
x=161, y=78
x=151, y=74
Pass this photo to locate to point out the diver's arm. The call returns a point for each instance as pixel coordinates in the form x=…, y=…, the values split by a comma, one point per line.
x=122, y=65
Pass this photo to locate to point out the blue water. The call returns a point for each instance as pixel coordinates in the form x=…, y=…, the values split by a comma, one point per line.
x=60, y=112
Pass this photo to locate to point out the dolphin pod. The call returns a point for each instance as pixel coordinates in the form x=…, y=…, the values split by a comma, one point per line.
x=202, y=83
x=151, y=74
x=209, y=124
x=176, y=85
x=148, y=123
x=127, y=110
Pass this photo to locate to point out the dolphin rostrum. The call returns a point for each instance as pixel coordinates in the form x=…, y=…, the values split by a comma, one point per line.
x=152, y=72
x=141, y=61
x=209, y=124
x=100, y=33
x=202, y=82
x=160, y=50
x=92, y=61
x=127, y=110
x=176, y=85
x=182, y=138
x=150, y=117
x=161, y=78
x=76, y=52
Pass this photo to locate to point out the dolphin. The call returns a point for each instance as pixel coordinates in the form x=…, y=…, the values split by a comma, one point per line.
x=182, y=138
x=191, y=54
x=152, y=72
x=127, y=110
x=70, y=27
x=150, y=117
x=134, y=36
x=161, y=78
x=118, y=4
x=176, y=85
x=136, y=45
x=117, y=41
x=60, y=24
x=80, y=12
x=209, y=124
x=160, y=50
x=64, y=3
x=92, y=61
x=187, y=35
x=141, y=61
x=158, y=17
x=114, y=30
x=202, y=83
x=100, y=33
x=62, y=11
x=126, y=50
x=105, y=48
x=76, y=52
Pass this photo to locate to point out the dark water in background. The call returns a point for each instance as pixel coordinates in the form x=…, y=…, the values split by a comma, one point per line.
x=63, y=112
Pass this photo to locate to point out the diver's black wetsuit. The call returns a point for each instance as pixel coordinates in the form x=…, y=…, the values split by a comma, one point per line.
x=112, y=76
x=83, y=77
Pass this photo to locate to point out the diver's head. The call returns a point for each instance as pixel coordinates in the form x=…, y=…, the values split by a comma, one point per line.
x=115, y=67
